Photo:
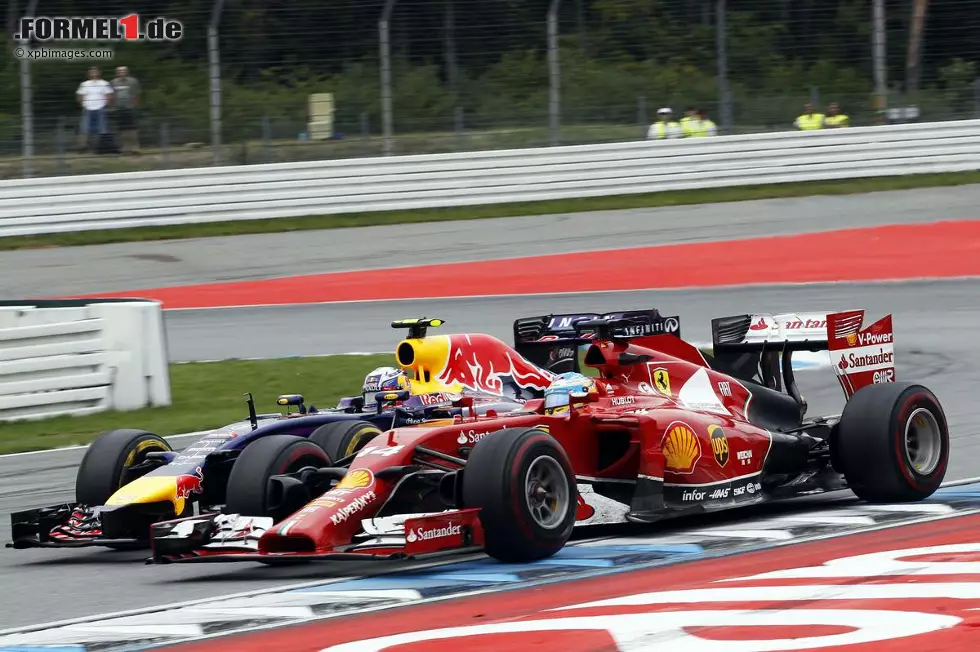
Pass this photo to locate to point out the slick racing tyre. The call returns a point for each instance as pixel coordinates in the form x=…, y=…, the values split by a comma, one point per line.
x=893, y=443
x=342, y=439
x=249, y=490
x=108, y=462
x=523, y=483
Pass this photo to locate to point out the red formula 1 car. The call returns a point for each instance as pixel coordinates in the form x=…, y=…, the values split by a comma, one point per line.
x=661, y=430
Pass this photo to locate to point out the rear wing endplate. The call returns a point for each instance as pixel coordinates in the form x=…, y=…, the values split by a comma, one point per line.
x=764, y=344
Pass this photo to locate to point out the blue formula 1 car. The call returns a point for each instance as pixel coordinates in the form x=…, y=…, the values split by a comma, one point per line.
x=129, y=479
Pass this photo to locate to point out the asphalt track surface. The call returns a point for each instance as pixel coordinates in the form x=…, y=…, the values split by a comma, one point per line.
x=935, y=326
x=934, y=323
x=122, y=267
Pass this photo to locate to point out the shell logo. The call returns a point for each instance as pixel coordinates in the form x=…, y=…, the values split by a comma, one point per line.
x=356, y=479
x=852, y=339
x=681, y=448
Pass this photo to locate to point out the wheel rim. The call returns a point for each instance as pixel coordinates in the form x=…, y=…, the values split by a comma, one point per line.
x=547, y=493
x=923, y=441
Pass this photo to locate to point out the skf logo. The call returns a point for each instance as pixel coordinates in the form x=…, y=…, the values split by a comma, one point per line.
x=719, y=445
x=681, y=448
x=357, y=479
x=661, y=380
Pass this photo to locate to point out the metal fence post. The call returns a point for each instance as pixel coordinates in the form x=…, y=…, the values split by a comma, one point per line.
x=214, y=67
x=385, y=47
x=266, y=138
x=724, y=91
x=27, y=105
x=59, y=143
x=641, y=114
x=165, y=144
x=554, y=76
x=879, y=55
x=452, y=72
x=366, y=132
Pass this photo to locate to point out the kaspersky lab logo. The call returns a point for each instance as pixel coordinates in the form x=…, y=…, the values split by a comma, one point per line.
x=46, y=29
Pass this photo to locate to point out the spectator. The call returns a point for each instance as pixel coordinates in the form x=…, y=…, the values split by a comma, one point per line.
x=689, y=123
x=706, y=126
x=835, y=119
x=809, y=120
x=665, y=126
x=93, y=95
x=127, y=94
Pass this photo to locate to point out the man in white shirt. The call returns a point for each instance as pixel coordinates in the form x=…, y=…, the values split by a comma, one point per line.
x=93, y=95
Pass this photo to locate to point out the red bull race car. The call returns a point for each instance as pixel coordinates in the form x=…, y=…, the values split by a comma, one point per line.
x=660, y=429
x=129, y=479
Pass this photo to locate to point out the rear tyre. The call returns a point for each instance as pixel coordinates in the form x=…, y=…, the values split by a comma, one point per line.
x=893, y=443
x=104, y=468
x=342, y=439
x=248, y=484
x=525, y=488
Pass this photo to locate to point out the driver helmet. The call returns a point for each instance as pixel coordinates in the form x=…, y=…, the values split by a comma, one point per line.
x=382, y=379
x=557, y=397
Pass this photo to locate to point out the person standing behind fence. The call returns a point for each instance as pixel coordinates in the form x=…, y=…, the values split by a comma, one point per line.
x=706, y=126
x=93, y=95
x=127, y=89
x=665, y=126
x=835, y=119
x=690, y=122
x=810, y=120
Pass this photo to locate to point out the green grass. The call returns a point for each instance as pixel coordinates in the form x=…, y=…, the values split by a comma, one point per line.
x=206, y=395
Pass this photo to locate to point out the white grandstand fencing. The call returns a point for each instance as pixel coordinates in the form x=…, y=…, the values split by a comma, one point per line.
x=61, y=204
x=77, y=358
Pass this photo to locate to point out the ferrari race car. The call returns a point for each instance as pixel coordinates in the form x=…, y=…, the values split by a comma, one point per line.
x=129, y=479
x=661, y=430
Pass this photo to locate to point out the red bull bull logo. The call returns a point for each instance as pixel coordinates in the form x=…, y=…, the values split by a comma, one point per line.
x=481, y=362
x=190, y=484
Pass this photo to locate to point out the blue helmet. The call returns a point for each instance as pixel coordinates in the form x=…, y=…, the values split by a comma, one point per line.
x=383, y=379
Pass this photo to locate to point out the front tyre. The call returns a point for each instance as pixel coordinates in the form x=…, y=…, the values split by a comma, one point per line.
x=523, y=484
x=105, y=468
x=342, y=439
x=249, y=492
x=893, y=443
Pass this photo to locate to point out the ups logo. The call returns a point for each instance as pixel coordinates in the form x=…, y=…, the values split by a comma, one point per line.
x=719, y=445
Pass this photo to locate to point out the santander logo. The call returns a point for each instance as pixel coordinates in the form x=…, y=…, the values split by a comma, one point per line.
x=760, y=325
x=421, y=534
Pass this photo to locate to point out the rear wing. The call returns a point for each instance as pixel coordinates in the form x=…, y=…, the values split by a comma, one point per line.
x=759, y=347
x=551, y=341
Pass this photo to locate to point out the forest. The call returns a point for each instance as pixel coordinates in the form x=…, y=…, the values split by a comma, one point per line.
x=486, y=61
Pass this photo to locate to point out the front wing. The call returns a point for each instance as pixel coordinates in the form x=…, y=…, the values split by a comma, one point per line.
x=67, y=525
x=231, y=537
